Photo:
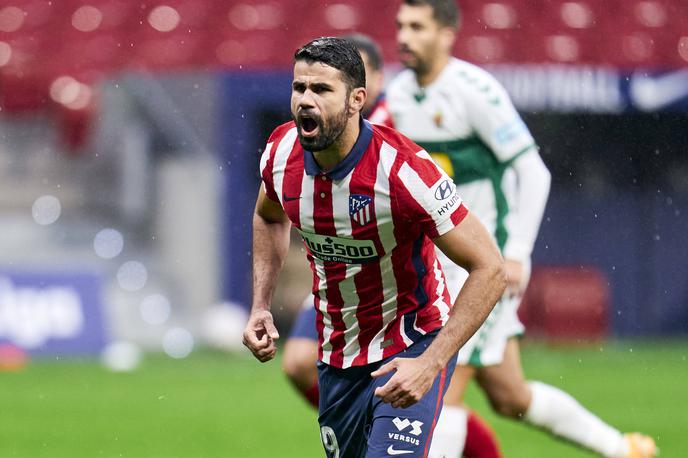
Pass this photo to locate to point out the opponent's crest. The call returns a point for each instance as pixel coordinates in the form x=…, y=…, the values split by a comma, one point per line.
x=360, y=208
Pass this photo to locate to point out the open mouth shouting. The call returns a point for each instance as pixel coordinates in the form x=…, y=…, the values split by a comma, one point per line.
x=309, y=125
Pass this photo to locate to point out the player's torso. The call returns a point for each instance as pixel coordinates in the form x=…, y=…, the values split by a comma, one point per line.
x=350, y=220
x=436, y=118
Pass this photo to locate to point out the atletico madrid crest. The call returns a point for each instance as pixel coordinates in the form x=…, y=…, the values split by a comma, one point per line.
x=360, y=208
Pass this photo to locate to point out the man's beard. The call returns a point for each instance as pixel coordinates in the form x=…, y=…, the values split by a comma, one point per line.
x=416, y=64
x=328, y=131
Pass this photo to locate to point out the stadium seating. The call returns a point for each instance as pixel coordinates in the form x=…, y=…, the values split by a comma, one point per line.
x=567, y=304
x=90, y=39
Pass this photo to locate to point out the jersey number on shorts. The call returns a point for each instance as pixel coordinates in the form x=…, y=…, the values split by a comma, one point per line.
x=330, y=441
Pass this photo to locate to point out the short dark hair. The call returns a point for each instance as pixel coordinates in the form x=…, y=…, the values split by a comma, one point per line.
x=367, y=45
x=336, y=53
x=445, y=12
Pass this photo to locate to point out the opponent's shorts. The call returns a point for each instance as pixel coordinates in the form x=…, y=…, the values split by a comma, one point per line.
x=486, y=347
x=304, y=324
x=354, y=423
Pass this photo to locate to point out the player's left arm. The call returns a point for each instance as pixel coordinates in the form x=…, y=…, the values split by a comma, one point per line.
x=470, y=246
x=531, y=193
x=495, y=120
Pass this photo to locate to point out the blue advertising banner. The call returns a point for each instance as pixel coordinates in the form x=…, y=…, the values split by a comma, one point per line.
x=593, y=89
x=52, y=313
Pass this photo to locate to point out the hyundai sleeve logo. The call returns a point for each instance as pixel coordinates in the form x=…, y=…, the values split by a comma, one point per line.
x=444, y=190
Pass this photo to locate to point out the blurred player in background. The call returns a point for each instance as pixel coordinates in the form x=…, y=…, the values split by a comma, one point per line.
x=465, y=119
x=370, y=208
x=301, y=349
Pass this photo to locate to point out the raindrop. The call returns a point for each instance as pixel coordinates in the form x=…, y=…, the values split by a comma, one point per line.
x=46, y=210
x=164, y=18
x=341, y=16
x=155, y=309
x=5, y=53
x=121, y=356
x=11, y=18
x=87, y=18
x=178, y=343
x=132, y=276
x=108, y=243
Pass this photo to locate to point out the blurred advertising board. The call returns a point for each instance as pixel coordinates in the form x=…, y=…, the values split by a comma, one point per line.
x=52, y=312
x=593, y=89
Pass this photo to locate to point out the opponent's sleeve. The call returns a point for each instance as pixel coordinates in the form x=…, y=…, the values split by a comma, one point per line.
x=532, y=190
x=427, y=196
x=493, y=117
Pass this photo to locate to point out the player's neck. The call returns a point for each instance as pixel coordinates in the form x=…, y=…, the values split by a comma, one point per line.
x=328, y=159
x=430, y=74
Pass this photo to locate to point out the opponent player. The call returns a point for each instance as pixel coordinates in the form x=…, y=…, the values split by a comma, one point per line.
x=301, y=349
x=464, y=117
x=368, y=204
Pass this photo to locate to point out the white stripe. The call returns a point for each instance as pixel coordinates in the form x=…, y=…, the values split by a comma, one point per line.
x=306, y=208
x=416, y=327
x=264, y=157
x=280, y=163
x=418, y=189
x=347, y=287
x=442, y=306
x=385, y=230
x=327, y=319
x=402, y=331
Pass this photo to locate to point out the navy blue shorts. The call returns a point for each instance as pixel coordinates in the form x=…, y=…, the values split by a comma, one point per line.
x=304, y=324
x=354, y=423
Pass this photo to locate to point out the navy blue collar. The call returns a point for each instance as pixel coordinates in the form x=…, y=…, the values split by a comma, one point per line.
x=347, y=164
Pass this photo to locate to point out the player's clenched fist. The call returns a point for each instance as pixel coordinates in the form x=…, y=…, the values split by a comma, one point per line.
x=260, y=335
x=411, y=380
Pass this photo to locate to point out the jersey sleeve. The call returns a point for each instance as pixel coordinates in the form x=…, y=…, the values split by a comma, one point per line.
x=493, y=117
x=266, y=162
x=427, y=195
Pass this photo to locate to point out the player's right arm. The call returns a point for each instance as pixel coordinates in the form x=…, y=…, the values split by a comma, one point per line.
x=270, y=246
x=470, y=246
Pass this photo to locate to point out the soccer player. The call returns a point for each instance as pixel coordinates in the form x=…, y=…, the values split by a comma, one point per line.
x=301, y=349
x=369, y=204
x=463, y=117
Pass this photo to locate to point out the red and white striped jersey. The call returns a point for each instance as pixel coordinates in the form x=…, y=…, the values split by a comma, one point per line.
x=367, y=225
x=379, y=113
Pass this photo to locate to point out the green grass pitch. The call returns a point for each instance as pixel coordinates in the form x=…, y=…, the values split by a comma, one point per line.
x=217, y=405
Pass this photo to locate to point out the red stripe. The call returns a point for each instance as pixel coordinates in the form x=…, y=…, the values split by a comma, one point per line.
x=291, y=184
x=369, y=280
x=404, y=273
x=276, y=138
x=438, y=404
x=335, y=272
x=459, y=214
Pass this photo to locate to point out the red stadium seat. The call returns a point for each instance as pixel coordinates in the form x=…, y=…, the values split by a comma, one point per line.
x=567, y=304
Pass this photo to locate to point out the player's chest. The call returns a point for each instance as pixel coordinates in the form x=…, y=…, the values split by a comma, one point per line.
x=431, y=115
x=343, y=207
x=350, y=220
